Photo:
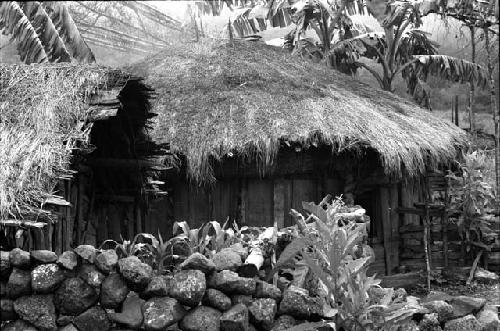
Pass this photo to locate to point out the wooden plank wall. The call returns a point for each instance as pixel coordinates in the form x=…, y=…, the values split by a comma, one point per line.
x=389, y=199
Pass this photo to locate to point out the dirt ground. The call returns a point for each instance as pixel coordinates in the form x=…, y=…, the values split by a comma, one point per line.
x=491, y=292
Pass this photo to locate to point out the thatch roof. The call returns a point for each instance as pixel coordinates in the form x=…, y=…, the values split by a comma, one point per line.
x=45, y=114
x=217, y=98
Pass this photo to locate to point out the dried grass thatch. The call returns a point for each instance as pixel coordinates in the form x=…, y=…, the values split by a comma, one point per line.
x=217, y=98
x=43, y=110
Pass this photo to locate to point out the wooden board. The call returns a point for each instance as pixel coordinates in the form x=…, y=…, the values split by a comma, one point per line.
x=394, y=217
x=279, y=203
x=259, y=202
x=303, y=190
x=224, y=201
x=386, y=227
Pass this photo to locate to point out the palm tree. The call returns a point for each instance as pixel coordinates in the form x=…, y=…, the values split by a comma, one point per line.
x=44, y=32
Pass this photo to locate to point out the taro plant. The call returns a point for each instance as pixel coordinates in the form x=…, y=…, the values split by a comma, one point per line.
x=139, y=247
x=335, y=251
x=472, y=197
x=208, y=239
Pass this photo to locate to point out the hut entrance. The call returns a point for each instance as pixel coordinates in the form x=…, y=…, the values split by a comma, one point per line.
x=369, y=201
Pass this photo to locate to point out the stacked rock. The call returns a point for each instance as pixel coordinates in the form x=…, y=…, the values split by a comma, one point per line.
x=91, y=290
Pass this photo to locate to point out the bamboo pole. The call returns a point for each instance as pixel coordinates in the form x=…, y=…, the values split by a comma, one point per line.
x=496, y=114
x=472, y=87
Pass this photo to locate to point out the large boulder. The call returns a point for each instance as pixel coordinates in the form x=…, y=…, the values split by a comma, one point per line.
x=464, y=305
x=45, y=278
x=217, y=299
x=7, y=312
x=161, y=312
x=136, y=274
x=43, y=256
x=430, y=322
x=437, y=296
x=188, y=286
x=197, y=261
x=68, y=327
x=488, y=317
x=68, y=260
x=19, y=283
x=93, y=319
x=113, y=291
x=266, y=290
x=245, y=299
x=262, y=312
x=74, y=296
x=283, y=322
x=86, y=252
x=485, y=276
x=90, y=274
x=201, y=318
x=226, y=259
x=157, y=287
x=230, y=283
x=20, y=258
x=38, y=310
x=235, y=319
x=465, y=323
x=297, y=303
x=443, y=310
x=107, y=261
x=131, y=314
x=5, y=266
x=19, y=325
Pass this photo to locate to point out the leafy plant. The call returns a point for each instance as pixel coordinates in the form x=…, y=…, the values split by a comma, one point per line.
x=208, y=239
x=473, y=198
x=44, y=32
x=335, y=250
x=131, y=247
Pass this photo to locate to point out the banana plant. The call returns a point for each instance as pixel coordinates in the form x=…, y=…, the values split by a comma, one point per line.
x=401, y=48
x=44, y=32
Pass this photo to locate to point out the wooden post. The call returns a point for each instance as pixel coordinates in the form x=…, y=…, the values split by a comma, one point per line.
x=472, y=87
x=444, y=225
x=394, y=236
x=426, y=245
x=279, y=203
x=79, y=226
x=243, y=194
x=457, y=120
x=386, y=228
x=67, y=234
x=496, y=114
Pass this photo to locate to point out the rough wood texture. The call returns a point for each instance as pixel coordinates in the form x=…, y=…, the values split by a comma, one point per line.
x=259, y=208
x=386, y=227
x=279, y=203
x=394, y=216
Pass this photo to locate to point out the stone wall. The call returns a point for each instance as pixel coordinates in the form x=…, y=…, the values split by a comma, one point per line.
x=91, y=290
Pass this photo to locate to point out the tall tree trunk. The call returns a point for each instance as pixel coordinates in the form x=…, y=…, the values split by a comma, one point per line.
x=496, y=114
x=472, y=87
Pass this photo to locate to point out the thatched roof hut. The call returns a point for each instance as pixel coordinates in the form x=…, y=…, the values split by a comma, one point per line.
x=217, y=98
x=269, y=131
x=57, y=119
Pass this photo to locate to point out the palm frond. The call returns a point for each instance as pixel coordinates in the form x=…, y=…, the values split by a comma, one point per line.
x=62, y=20
x=46, y=31
x=363, y=45
x=415, y=42
x=450, y=68
x=14, y=22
